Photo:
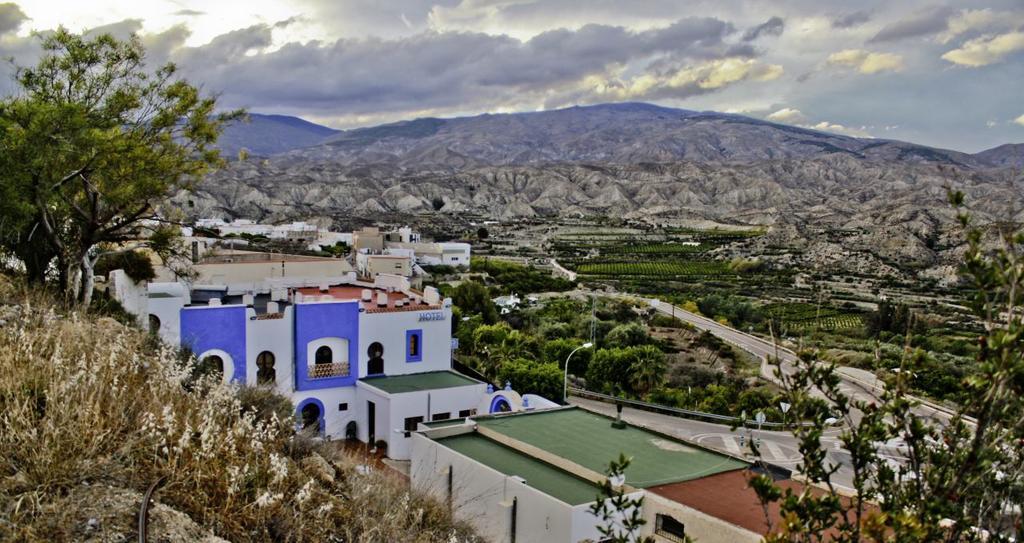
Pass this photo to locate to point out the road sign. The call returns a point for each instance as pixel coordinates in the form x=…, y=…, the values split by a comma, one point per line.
x=784, y=406
x=759, y=417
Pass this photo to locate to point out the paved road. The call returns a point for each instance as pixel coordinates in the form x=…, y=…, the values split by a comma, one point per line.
x=856, y=383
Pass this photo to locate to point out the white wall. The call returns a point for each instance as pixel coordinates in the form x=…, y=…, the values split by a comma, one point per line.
x=414, y=404
x=478, y=493
x=334, y=420
x=389, y=329
x=278, y=337
x=700, y=526
x=584, y=523
x=168, y=310
x=132, y=296
x=455, y=254
x=383, y=429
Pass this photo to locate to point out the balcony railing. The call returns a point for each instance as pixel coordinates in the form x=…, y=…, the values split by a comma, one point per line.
x=321, y=371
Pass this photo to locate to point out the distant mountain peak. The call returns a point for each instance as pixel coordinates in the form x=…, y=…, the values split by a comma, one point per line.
x=263, y=134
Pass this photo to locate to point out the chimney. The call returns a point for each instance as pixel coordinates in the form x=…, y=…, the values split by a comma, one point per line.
x=247, y=299
x=382, y=299
x=214, y=302
x=273, y=307
x=367, y=295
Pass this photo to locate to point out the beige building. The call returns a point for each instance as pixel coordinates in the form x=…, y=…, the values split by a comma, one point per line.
x=230, y=267
x=369, y=264
x=369, y=238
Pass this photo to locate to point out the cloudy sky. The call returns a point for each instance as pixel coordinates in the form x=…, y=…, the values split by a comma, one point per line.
x=942, y=73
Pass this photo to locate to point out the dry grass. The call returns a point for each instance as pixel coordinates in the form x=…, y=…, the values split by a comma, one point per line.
x=88, y=404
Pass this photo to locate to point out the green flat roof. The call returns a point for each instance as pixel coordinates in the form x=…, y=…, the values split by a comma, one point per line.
x=415, y=382
x=548, y=479
x=589, y=440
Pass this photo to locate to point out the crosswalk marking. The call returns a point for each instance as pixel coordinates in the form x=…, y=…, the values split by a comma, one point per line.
x=731, y=445
x=774, y=450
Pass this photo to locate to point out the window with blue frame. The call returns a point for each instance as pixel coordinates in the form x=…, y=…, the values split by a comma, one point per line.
x=414, y=345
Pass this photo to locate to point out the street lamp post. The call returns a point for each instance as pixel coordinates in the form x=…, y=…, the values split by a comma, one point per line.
x=565, y=377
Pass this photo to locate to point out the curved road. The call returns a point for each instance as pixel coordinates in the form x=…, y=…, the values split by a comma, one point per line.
x=856, y=383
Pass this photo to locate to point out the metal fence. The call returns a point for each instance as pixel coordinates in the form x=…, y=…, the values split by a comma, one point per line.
x=678, y=412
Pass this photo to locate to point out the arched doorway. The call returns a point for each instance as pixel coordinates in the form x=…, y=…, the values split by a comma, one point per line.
x=265, y=372
x=310, y=417
x=212, y=365
x=154, y=324
x=376, y=364
x=500, y=405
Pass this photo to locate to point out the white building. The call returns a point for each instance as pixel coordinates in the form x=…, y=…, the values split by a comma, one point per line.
x=363, y=360
x=299, y=232
x=405, y=241
x=532, y=476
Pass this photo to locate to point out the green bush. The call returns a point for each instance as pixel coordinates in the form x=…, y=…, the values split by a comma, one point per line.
x=519, y=279
x=529, y=377
x=473, y=298
x=627, y=335
x=136, y=265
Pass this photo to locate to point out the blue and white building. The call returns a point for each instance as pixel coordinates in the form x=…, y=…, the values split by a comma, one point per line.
x=359, y=360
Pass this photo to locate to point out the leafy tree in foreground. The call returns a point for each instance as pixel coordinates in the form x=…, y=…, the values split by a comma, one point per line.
x=619, y=512
x=92, y=144
x=960, y=478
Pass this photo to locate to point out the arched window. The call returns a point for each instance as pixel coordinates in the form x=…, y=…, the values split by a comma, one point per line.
x=324, y=355
x=375, y=366
x=213, y=364
x=265, y=373
x=311, y=417
x=154, y=324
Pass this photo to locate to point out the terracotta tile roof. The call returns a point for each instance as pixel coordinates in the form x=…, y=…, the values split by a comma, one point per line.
x=728, y=496
x=355, y=292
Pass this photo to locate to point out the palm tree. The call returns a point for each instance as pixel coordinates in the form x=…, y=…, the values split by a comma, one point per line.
x=647, y=370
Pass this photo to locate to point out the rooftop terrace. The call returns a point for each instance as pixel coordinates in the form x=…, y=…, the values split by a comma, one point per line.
x=588, y=439
x=548, y=479
x=415, y=382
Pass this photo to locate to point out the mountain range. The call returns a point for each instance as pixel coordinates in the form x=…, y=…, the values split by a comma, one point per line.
x=619, y=133
x=625, y=160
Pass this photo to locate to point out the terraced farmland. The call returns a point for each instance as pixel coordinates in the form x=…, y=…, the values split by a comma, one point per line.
x=657, y=268
x=799, y=316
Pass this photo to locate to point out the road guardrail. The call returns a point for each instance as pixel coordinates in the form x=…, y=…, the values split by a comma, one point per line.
x=679, y=412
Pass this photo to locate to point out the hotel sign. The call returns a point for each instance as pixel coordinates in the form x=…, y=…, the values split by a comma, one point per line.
x=432, y=316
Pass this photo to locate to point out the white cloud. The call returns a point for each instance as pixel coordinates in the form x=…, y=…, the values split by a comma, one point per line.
x=788, y=115
x=981, y=20
x=986, y=50
x=795, y=117
x=826, y=126
x=1019, y=120
x=689, y=80
x=867, y=62
x=966, y=21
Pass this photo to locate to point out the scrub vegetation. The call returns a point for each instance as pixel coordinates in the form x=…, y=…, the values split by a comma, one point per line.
x=94, y=411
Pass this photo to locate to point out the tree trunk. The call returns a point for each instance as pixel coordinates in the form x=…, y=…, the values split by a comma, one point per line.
x=73, y=283
x=88, y=263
